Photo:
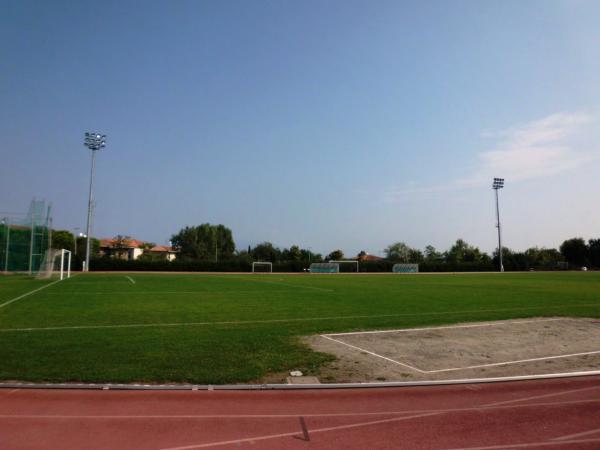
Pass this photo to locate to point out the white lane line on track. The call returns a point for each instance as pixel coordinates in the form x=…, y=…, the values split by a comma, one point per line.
x=7, y=393
x=377, y=422
x=374, y=422
x=303, y=319
x=577, y=435
x=297, y=433
x=482, y=408
x=28, y=294
x=535, y=397
x=130, y=279
x=546, y=444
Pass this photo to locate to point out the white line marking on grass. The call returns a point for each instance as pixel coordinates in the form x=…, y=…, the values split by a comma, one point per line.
x=130, y=279
x=303, y=319
x=28, y=293
x=282, y=283
x=489, y=324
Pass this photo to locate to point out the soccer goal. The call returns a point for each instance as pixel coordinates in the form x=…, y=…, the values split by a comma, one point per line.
x=324, y=268
x=56, y=262
x=352, y=262
x=405, y=268
x=262, y=266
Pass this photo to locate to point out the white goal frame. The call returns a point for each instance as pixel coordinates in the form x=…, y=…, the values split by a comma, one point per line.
x=265, y=263
x=347, y=261
x=47, y=268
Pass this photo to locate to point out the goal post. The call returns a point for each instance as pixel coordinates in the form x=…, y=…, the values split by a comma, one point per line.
x=56, y=261
x=347, y=261
x=405, y=268
x=262, y=266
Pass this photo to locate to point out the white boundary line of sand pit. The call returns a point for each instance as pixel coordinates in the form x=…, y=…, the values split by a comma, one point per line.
x=504, y=363
x=475, y=325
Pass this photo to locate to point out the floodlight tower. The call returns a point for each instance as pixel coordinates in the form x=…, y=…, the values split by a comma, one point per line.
x=93, y=141
x=498, y=184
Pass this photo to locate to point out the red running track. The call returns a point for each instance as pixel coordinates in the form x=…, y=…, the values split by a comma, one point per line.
x=558, y=413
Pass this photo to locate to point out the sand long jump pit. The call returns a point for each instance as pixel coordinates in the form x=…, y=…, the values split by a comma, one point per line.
x=470, y=350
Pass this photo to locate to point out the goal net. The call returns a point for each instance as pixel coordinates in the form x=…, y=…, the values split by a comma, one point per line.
x=324, y=268
x=405, y=268
x=25, y=238
x=261, y=266
x=347, y=265
x=55, y=263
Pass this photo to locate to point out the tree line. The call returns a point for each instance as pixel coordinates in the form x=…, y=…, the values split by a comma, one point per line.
x=215, y=244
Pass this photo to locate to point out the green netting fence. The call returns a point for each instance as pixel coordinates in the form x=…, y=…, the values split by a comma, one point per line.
x=25, y=238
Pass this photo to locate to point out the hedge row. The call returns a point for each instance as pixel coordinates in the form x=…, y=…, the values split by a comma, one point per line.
x=109, y=264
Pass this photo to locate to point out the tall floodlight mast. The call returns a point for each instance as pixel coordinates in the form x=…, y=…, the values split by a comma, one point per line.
x=498, y=184
x=93, y=141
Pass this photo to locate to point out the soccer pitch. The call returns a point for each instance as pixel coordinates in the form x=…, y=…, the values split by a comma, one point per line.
x=213, y=329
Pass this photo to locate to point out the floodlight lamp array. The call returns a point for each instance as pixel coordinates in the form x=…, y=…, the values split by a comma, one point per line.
x=498, y=183
x=95, y=141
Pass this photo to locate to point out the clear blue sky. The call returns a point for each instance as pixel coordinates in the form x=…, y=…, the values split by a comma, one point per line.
x=331, y=124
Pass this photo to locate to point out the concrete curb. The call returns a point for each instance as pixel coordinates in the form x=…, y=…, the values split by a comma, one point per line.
x=262, y=387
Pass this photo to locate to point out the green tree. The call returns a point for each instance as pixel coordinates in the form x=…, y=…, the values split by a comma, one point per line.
x=63, y=239
x=204, y=242
x=266, y=252
x=292, y=254
x=575, y=251
x=398, y=251
x=547, y=258
x=94, y=247
x=431, y=254
x=594, y=252
x=461, y=251
x=335, y=255
x=415, y=256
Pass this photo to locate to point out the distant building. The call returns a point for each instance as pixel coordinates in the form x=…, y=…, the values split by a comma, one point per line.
x=168, y=252
x=365, y=257
x=132, y=249
x=128, y=250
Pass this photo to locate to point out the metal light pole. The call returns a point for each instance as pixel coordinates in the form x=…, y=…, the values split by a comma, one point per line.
x=498, y=184
x=6, y=223
x=93, y=141
x=75, y=240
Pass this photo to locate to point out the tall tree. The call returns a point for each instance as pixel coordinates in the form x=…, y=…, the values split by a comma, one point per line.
x=204, y=242
x=398, y=251
x=575, y=251
x=266, y=252
x=594, y=252
x=431, y=254
x=461, y=251
x=335, y=255
x=63, y=239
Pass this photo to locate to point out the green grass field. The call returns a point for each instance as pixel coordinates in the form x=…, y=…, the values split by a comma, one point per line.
x=239, y=328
